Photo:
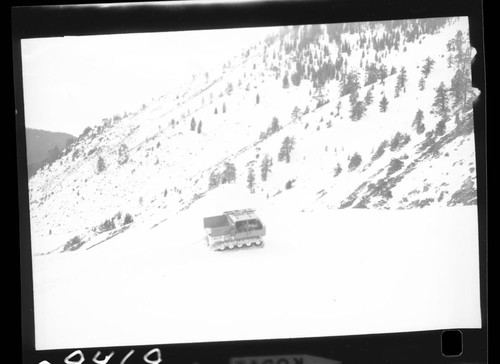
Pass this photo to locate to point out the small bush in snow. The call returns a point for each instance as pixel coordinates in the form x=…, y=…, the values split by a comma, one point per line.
x=394, y=166
x=123, y=154
x=354, y=162
x=101, y=165
x=107, y=225
x=73, y=244
x=128, y=219
x=337, y=170
x=380, y=150
x=398, y=141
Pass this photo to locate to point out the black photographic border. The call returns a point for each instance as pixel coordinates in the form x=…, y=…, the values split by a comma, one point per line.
x=84, y=18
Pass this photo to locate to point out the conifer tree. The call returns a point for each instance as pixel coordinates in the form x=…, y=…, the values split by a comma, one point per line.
x=440, y=105
x=296, y=113
x=265, y=167
x=229, y=173
x=368, y=97
x=286, y=83
x=123, y=154
x=199, y=127
x=383, y=74
x=275, y=125
x=461, y=89
x=421, y=84
x=383, y=104
x=418, y=125
x=428, y=65
x=251, y=180
x=286, y=148
x=257, y=99
x=401, y=82
x=101, y=165
x=193, y=124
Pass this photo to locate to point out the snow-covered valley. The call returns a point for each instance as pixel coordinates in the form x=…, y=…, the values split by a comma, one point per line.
x=318, y=274
x=353, y=143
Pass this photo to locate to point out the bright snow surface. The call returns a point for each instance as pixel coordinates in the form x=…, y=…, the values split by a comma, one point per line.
x=337, y=272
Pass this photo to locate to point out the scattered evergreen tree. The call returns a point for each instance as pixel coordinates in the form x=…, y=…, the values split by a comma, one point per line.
x=215, y=111
x=461, y=89
x=251, y=180
x=229, y=173
x=354, y=162
x=286, y=83
x=383, y=104
x=265, y=167
x=393, y=71
x=380, y=150
x=462, y=52
x=440, y=105
x=107, y=225
x=383, y=74
x=296, y=113
x=372, y=74
x=286, y=148
x=358, y=108
x=401, y=82
x=193, y=124
x=441, y=125
x=101, y=165
x=275, y=125
x=398, y=141
x=349, y=84
x=73, y=244
x=123, y=154
x=128, y=219
x=257, y=99
x=337, y=170
x=368, y=97
x=229, y=88
x=421, y=84
x=418, y=124
x=224, y=107
x=339, y=105
x=394, y=166
x=427, y=67
x=213, y=179
x=199, y=127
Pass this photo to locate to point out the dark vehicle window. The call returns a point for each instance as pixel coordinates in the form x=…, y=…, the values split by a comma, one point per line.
x=254, y=225
x=240, y=226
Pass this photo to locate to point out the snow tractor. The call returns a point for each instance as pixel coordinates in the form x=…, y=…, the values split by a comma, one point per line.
x=234, y=229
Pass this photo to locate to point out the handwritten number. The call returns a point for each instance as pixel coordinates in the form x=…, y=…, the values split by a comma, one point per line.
x=158, y=359
x=103, y=361
x=74, y=353
x=127, y=356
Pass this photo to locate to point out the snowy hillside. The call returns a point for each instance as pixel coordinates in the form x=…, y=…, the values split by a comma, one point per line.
x=342, y=137
x=289, y=88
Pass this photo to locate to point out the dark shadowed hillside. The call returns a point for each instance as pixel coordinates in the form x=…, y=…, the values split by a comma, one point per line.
x=44, y=146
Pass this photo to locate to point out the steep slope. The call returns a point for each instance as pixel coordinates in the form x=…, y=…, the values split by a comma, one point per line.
x=278, y=122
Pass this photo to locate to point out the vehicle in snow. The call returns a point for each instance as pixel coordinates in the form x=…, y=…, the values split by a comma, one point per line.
x=234, y=229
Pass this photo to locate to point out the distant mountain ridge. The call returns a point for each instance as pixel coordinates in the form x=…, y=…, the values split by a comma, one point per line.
x=40, y=142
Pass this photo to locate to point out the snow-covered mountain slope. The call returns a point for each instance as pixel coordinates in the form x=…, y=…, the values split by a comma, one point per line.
x=277, y=121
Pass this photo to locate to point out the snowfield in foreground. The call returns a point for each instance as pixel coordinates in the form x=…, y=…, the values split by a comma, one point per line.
x=339, y=272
